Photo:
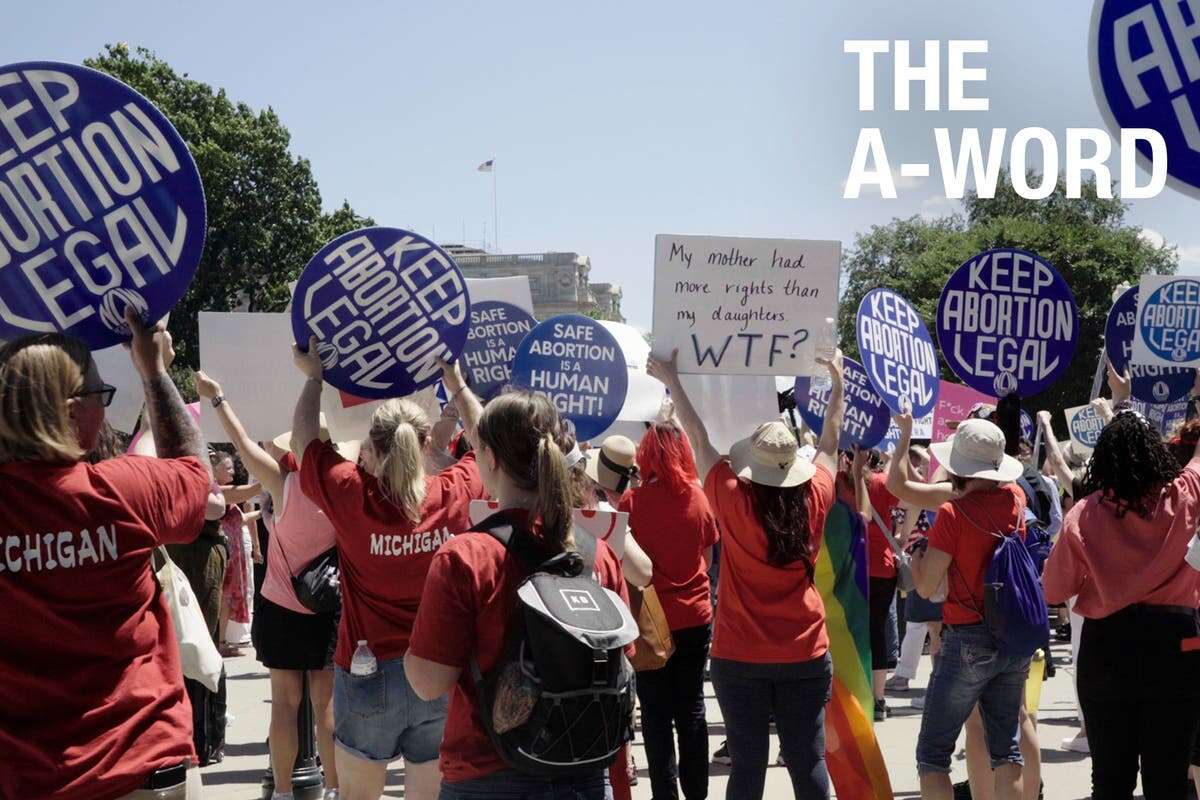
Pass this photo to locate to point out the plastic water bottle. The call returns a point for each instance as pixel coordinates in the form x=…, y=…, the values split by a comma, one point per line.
x=825, y=348
x=363, y=662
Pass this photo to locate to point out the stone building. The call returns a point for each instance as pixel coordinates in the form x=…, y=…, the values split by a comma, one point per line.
x=558, y=281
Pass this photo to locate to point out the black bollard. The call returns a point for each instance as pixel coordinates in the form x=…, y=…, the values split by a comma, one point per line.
x=307, y=782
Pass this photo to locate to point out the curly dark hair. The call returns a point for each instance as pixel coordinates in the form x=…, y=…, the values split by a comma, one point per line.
x=783, y=514
x=1130, y=464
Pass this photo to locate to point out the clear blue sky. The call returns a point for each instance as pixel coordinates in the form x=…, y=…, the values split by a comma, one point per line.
x=609, y=122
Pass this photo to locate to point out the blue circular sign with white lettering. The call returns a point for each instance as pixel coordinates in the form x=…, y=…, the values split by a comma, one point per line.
x=580, y=366
x=1086, y=426
x=101, y=206
x=867, y=418
x=897, y=352
x=1151, y=383
x=1169, y=321
x=1146, y=74
x=497, y=328
x=385, y=305
x=1007, y=322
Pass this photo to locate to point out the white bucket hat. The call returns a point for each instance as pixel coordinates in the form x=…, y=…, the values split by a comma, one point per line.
x=770, y=456
x=976, y=450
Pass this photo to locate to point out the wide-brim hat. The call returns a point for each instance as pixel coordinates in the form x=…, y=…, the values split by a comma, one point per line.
x=613, y=463
x=976, y=450
x=284, y=440
x=771, y=457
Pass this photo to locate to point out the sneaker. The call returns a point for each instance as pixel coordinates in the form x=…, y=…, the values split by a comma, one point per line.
x=631, y=771
x=779, y=760
x=1076, y=744
x=331, y=794
x=962, y=791
x=918, y=702
x=896, y=684
x=881, y=710
x=722, y=755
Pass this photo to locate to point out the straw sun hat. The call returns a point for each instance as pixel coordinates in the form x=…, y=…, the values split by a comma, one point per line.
x=770, y=456
x=976, y=450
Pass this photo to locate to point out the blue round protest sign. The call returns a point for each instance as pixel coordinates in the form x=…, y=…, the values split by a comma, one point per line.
x=867, y=418
x=101, y=206
x=497, y=328
x=897, y=352
x=1169, y=321
x=1007, y=323
x=1146, y=74
x=579, y=365
x=1086, y=425
x=385, y=305
x=1151, y=383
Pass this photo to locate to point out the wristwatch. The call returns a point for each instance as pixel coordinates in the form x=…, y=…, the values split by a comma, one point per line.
x=218, y=400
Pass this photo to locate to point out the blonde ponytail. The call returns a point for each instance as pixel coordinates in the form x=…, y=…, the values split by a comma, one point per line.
x=554, y=494
x=399, y=431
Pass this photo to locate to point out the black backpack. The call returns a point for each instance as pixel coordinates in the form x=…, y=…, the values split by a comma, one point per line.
x=560, y=702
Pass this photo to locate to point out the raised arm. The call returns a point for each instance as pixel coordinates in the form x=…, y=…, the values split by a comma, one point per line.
x=1055, y=459
x=1121, y=385
x=306, y=421
x=835, y=412
x=668, y=372
x=167, y=418
x=858, y=472
x=258, y=462
x=470, y=410
x=928, y=496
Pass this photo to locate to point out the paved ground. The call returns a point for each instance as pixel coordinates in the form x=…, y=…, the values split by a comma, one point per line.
x=1066, y=775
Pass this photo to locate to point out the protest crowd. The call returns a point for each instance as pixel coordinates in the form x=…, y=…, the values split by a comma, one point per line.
x=497, y=587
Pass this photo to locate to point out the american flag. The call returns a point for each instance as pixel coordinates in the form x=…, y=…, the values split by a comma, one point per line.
x=487, y=165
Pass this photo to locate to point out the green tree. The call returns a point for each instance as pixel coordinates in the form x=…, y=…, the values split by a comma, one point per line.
x=264, y=208
x=1086, y=239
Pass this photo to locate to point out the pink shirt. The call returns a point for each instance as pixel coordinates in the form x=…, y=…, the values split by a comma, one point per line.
x=1112, y=562
x=300, y=533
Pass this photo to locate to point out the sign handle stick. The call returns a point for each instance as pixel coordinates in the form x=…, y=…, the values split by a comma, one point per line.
x=1098, y=378
x=495, y=211
x=1037, y=445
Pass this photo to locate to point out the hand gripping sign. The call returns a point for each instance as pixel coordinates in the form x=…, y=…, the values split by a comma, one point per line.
x=385, y=305
x=1152, y=383
x=579, y=365
x=497, y=329
x=101, y=206
x=1007, y=322
x=897, y=352
x=1167, y=327
x=867, y=418
x=1146, y=74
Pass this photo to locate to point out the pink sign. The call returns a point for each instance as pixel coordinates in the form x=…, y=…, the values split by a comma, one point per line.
x=954, y=403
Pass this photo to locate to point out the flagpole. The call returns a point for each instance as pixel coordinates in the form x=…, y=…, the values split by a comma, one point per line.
x=495, y=209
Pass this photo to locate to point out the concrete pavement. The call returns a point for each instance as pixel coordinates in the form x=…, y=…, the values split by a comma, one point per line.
x=1067, y=775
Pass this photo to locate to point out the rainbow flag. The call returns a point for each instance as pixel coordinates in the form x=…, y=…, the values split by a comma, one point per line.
x=856, y=765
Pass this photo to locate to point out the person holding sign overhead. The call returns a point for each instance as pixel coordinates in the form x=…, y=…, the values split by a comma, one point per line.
x=389, y=518
x=91, y=685
x=770, y=647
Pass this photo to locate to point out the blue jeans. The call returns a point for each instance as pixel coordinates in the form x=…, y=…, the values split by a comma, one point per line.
x=510, y=785
x=796, y=693
x=971, y=671
x=380, y=718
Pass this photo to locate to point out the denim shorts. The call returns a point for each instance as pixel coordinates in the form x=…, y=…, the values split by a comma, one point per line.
x=378, y=717
x=971, y=671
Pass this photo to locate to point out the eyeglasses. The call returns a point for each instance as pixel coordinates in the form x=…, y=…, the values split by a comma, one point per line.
x=105, y=391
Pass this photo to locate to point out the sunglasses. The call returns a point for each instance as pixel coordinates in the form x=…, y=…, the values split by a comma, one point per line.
x=105, y=391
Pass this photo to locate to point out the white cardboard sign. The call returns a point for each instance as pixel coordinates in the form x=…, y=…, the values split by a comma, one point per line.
x=1085, y=425
x=738, y=306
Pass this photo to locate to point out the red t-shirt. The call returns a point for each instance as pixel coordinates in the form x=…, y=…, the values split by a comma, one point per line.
x=999, y=509
x=675, y=529
x=382, y=555
x=881, y=558
x=765, y=614
x=470, y=595
x=91, y=688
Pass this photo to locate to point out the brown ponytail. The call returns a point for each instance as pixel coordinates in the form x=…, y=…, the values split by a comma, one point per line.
x=529, y=439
